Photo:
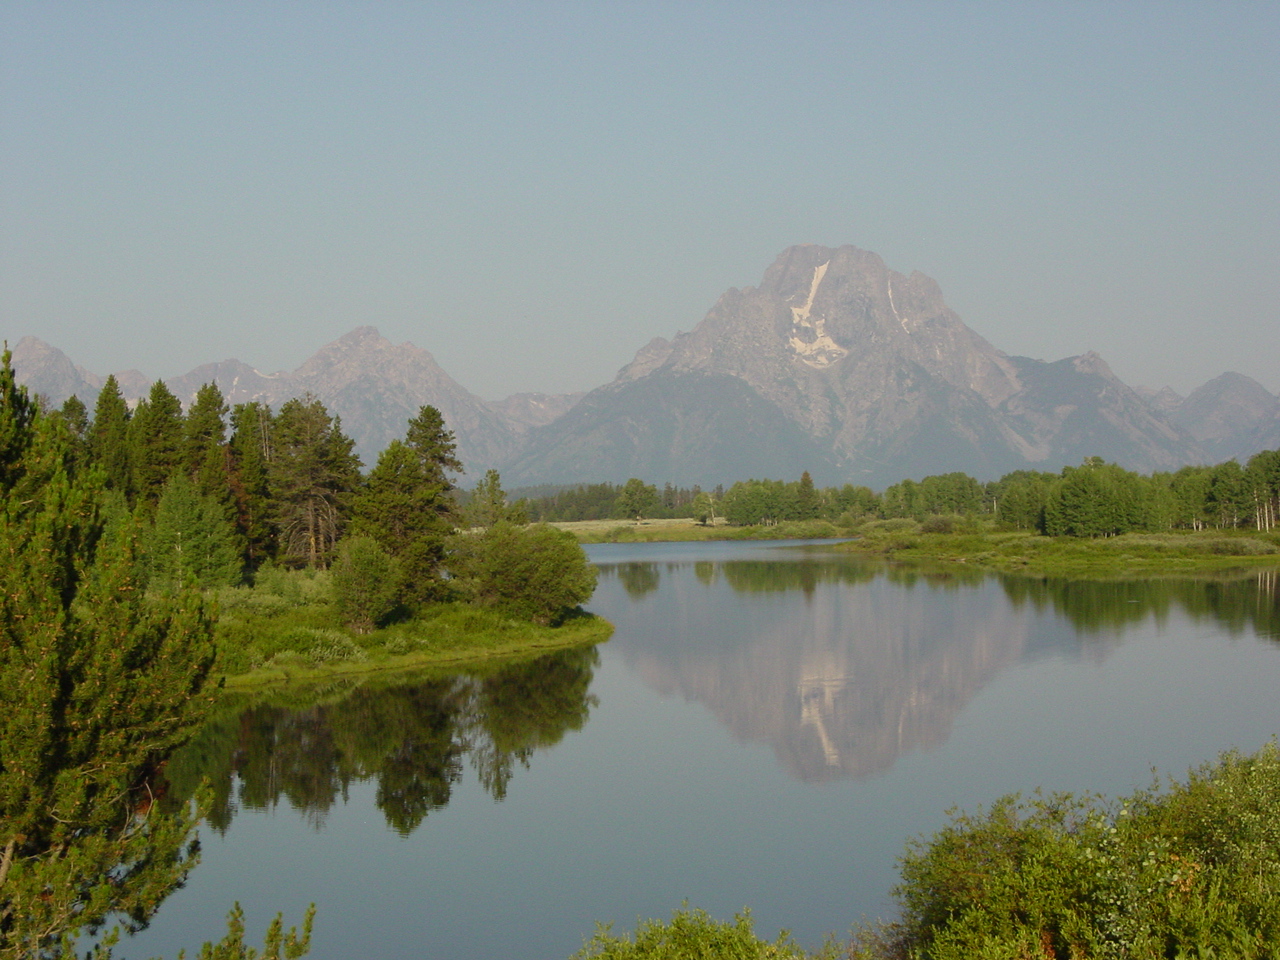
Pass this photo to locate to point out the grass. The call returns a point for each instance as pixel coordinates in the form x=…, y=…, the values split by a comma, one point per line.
x=683, y=529
x=287, y=628
x=982, y=544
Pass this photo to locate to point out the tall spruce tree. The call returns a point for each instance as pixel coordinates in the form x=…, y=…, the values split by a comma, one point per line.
x=109, y=437
x=408, y=511
x=155, y=435
x=99, y=685
x=434, y=443
x=313, y=472
x=204, y=442
x=250, y=450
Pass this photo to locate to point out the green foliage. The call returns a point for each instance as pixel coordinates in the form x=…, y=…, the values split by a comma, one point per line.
x=312, y=473
x=637, y=500
x=1193, y=871
x=407, y=509
x=690, y=935
x=249, y=454
x=277, y=945
x=537, y=572
x=109, y=437
x=100, y=682
x=488, y=504
x=156, y=444
x=435, y=445
x=191, y=542
x=366, y=583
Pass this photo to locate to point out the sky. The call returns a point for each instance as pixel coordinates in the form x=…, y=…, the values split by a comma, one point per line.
x=533, y=191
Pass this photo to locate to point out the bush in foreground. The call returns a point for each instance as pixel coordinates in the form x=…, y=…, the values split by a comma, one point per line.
x=1192, y=872
x=691, y=935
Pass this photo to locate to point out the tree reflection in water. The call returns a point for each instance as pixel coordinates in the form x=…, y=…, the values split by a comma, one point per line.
x=307, y=747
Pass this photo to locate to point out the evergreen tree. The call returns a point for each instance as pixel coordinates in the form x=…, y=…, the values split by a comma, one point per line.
x=250, y=452
x=434, y=443
x=366, y=583
x=408, y=511
x=109, y=437
x=313, y=472
x=204, y=443
x=488, y=504
x=155, y=435
x=99, y=685
x=191, y=541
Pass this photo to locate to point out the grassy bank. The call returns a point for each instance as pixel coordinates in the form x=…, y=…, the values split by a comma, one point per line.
x=680, y=530
x=975, y=543
x=287, y=627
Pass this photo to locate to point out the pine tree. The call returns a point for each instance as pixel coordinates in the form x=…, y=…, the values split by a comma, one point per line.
x=434, y=443
x=109, y=437
x=405, y=508
x=488, y=504
x=204, y=443
x=155, y=435
x=250, y=451
x=313, y=473
x=191, y=542
x=99, y=683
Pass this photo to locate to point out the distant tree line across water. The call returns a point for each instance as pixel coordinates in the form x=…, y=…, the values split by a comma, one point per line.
x=1092, y=500
x=222, y=491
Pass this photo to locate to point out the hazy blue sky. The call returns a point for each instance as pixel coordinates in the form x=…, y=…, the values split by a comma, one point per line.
x=532, y=191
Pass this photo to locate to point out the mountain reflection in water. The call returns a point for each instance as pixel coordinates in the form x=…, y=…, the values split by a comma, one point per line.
x=844, y=682
x=308, y=746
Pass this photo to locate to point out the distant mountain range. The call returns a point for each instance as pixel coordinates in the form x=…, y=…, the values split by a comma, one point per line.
x=834, y=363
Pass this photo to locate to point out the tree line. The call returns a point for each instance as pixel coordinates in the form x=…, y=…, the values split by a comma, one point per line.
x=1092, y=500
x=217, y=492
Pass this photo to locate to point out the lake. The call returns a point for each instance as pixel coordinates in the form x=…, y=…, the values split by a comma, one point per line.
x=768, y=726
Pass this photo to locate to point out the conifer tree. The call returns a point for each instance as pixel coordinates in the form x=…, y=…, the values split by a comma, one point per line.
x=408, y=511
x=99, y=685
x=434, y=443
x=191, y=542
x=488, y=504
x=250, y=450
x=204, y=442
x=313, y=473
x=109, y=437
x=155, y=434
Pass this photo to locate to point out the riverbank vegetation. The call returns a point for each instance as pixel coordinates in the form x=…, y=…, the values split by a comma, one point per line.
x=1188, y=869
x=986, y=545
x=1093, y=500
x=316, y=566
x=102, y=679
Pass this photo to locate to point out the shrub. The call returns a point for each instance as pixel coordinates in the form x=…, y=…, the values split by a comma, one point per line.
x=691, y=935
x=536, y=573
x=1194, y=871
x=366, y=583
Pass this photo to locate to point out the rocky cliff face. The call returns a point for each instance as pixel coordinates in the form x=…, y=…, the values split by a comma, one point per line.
x=875, y=378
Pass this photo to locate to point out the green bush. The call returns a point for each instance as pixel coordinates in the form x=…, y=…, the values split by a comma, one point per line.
x=690, y=935
x=536, y=573
x=366, y=583
x=1191, y=872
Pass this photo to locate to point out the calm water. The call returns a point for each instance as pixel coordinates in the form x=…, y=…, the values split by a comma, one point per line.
x=766, y=728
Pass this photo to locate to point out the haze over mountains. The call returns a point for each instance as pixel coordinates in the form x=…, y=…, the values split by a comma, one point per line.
x=834, y=363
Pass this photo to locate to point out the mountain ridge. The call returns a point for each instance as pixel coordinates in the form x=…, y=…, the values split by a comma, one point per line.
x=834, y=363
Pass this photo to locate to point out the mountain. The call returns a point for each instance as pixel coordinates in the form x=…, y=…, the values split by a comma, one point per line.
x=1231, y=417
x=839, y=365
x=375, y=387
x=47, y=372
x=835, y=364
